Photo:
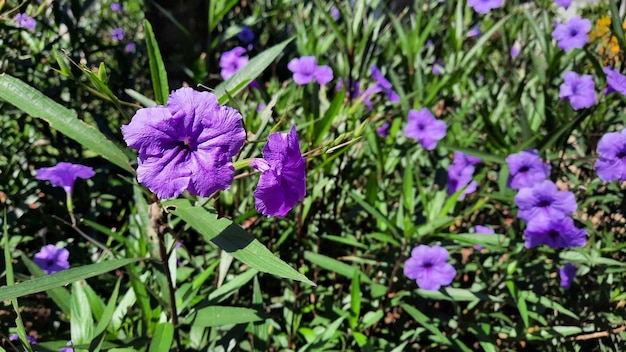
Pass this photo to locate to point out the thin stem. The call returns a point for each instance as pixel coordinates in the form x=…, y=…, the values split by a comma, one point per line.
x=80, y=232
x=160, y=227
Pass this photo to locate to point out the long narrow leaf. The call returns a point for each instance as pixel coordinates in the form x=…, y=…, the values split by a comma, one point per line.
x=157, y=68
x=34, y=103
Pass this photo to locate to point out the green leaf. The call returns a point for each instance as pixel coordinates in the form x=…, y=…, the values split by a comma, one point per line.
x=59, y=295
x=62, y=278
x=218, y=315
x=105, y=320
x=157, y=68
x=81, y=322
x=249, y=72
x=162, y=338
x=34, y=103
x=355, y=301
x=233, y=239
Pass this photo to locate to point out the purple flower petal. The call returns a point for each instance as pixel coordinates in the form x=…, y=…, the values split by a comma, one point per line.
x=555, y=233
x=544, y=201
x=232, y=61
x=484, y=6
x=579, y=90
x=567, y=274
x=573, y=34
x=429, y=267
x=526, y=169
x=64, y=174
x=611, y=163
x=424, y=127
x=283, y=174
x=52, y=259
x=180, y=144
x=323, y=74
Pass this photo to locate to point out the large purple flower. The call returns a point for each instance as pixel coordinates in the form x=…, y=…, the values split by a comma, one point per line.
x=424, y=127
x=232, y=61
x=283, y=174
x=579, y=90
x=460, y=175
x=429, y=267
x=52, y=259
x=567, y=274
x=611, y=164
x=384, y=85
x=25, y=21
x=544, y=201
x=186, y=145
x=64, y=174
x=555, y=233
x=484, y=6
x=305, y=69
x=615, y=80
x=572, y=34
x=526, y=169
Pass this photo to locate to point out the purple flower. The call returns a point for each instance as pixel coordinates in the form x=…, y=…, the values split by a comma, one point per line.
x=615, y=80
x=579, y=90
x=30, y=339
x=544, y=201
x=474, y=31
x=354, y=85
x=383, y=130
x=567, y=274
x=130, y=47
x=232, y=61
x=515, y=50
x=116, y=6
x=563, y=3
x=260, y=107
x=25, y=21
x=526, y=169
x=52, y=259
x=384, y=85
x=183, y=142
x=611, y=163
x=572, y=34
x=484, y=6
x=479, y=229
x=459, y=176
x=305, y=69
x=438, y=68
x=283, y=174
x=117, y=34
x=429, y=267
x=424, y=127
x=555, y=233
x=246, y=35
x=464, y=160
x=335, y=13
x=64, y=174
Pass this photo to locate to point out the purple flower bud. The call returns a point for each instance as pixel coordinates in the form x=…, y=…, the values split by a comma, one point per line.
x=567, y=274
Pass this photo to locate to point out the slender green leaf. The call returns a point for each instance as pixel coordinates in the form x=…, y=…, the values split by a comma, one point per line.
x=34, y=103
x=157, y=68
x=81, y=323
x=249, y=72
x=162, y=338
x=59, y=295
x=219, y=315
x=233, y=239
x=62, y=278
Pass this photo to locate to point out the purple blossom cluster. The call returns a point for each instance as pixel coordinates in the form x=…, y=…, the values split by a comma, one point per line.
x=544, y=207
x=460, y=174
x=24, y=21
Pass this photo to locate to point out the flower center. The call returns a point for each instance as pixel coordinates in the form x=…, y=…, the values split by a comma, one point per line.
x=553, y=234
x=524, y=168
x=50, y=262
x=573, y=32
x=428, y=265
x=544, y=203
